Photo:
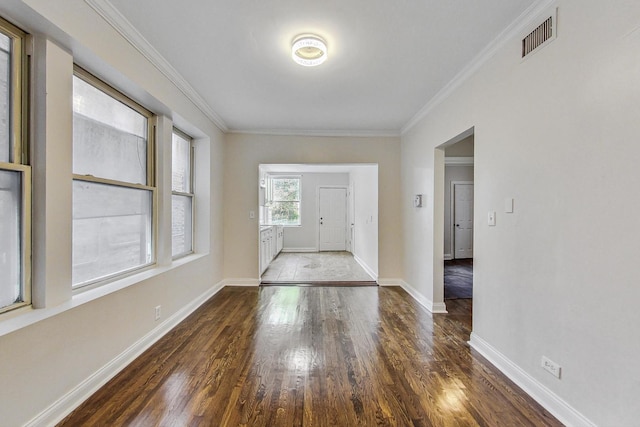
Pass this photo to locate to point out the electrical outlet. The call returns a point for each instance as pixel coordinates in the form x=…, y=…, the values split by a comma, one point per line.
x=158, y=311
x=550, y=366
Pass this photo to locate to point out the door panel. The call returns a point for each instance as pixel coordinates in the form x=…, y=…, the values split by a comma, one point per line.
x=332, y=219
x=463, y=220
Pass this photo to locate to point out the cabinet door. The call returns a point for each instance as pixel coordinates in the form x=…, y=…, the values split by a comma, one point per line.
x=279, y=239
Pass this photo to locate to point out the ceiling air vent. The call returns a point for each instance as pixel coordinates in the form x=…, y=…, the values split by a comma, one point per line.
x=544, y=33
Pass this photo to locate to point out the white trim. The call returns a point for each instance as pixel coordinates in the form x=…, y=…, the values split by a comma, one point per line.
x=439, y=308
x=458, y=161
x=384, y=133
x=434, y=308
x=507, y=35
x=122, y=25
x=365, y=267
x=241, y=282
x=389, y=282
x=564, y=412
x=67, y=403
x=448, y=257
x=301, y=250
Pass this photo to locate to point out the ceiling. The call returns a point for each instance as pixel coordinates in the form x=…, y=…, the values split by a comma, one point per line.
x=387, y=58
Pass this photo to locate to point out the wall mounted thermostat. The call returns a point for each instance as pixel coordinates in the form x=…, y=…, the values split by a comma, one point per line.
x=417, y=201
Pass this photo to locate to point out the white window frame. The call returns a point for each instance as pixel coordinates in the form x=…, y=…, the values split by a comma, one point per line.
x=190, y=194
x=19, y=159
x=271, y=200
x=151, y=175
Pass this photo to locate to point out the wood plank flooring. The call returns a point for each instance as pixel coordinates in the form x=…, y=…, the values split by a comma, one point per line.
x=313, y=356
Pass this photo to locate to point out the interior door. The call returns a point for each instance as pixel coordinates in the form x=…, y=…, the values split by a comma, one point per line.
x=332, y=219
x=463, y=220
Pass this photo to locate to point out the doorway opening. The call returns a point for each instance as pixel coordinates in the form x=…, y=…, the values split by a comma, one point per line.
x=318, y=224
x=458, y=217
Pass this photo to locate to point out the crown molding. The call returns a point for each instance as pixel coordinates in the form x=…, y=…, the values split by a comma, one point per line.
x=514, y=29
x=126, y=29
x=320, y=133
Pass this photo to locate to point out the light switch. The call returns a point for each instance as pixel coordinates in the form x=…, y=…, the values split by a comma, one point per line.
x=252, y=214
x=508, y=205
x=492, y=218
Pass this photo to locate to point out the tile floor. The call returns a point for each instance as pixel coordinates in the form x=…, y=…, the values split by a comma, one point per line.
x=315, y=267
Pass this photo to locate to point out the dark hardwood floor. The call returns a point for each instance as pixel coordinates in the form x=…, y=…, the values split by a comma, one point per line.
x=313, y=356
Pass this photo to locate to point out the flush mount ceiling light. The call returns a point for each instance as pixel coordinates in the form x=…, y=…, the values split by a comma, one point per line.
x=309, y=50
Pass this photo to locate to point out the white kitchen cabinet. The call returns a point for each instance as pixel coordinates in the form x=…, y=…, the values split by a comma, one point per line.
x=266, y=247
x=271, y=243
x=279, y=239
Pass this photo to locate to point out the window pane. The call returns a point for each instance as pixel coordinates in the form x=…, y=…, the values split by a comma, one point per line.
x=109, y=138
x=181, y=164
x=10, y=230
x=111, y=230
x=285, y=213
x=286, y=189
x=5, y=99
x=181, y=225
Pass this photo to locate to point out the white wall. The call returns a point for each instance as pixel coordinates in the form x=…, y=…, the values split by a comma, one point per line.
x=452, y=173
x=558, y=133
x=463, y=148
x=305, y=237
x=364, y=184
x=47, y=352
x=243, y=154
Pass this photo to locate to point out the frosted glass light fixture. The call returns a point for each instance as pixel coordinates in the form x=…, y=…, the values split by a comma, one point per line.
x=309, y=50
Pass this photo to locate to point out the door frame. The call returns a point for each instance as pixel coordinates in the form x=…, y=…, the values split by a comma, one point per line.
x=346, y=205
x=453, y=214
x=437, y=302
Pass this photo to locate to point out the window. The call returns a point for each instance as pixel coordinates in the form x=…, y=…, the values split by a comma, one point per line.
x=284, y=200
x=113, y=182
x=15, y=174
x=181, y=194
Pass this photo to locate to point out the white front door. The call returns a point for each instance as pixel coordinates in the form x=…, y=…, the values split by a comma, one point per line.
x=463, y=220
x=332, y=219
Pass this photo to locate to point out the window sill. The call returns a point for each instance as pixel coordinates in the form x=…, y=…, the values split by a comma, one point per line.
x=22, y=317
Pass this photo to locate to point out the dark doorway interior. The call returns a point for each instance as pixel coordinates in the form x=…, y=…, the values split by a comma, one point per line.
x=458, y=279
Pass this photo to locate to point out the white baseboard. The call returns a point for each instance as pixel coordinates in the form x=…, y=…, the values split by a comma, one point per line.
x=448, y=257
x=436, y=308
x=301, y=250
x=389, y=282
x=365, y=267
x=241, y=282
x=564, y=412
x=71, y=400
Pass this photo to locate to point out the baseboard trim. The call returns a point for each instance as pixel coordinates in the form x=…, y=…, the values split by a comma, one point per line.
x=365, y=267
x=301, y=250
x=448, y=257
x=437, y=308
x=389, y=282
x=241, y=282
x=71, y=400
x=564, y=412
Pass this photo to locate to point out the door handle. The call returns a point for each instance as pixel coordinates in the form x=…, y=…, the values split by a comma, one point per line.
x=457, y=225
